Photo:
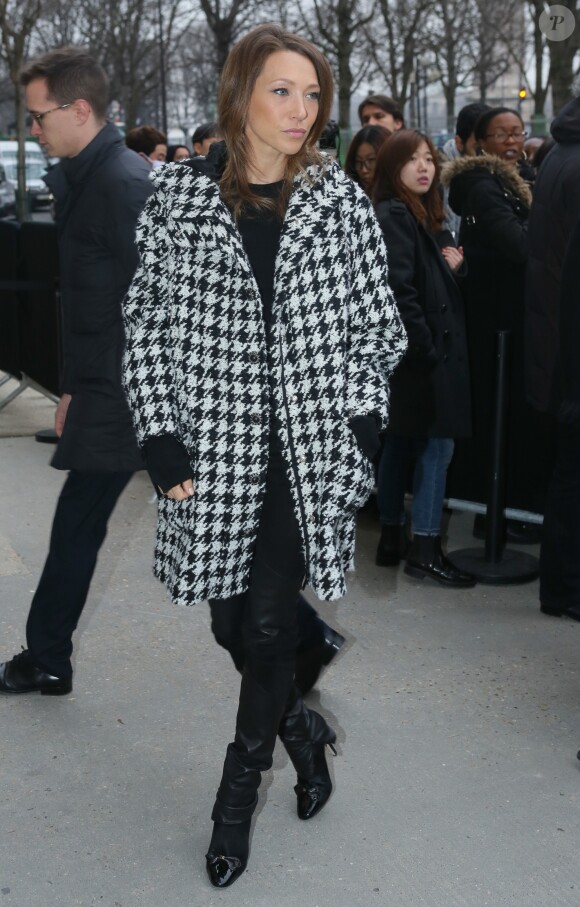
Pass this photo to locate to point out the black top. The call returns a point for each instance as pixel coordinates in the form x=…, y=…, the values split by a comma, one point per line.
x=260, y=231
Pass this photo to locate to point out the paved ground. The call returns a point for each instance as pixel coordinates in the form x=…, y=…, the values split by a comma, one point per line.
x=457, y=713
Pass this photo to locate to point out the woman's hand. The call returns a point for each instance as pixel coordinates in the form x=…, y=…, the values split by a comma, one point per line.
x=453, y=257
x=180, y=492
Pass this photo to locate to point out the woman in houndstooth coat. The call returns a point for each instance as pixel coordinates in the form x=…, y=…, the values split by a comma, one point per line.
x=260, y=336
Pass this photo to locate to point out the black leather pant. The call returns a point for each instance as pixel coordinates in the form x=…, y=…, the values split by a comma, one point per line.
x=260, y=629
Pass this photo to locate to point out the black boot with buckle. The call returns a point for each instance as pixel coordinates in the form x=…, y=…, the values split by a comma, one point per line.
x=426, y=559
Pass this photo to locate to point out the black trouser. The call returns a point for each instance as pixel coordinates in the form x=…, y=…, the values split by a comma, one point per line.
x=560, y=551
x=78, y=531
x=260, y=629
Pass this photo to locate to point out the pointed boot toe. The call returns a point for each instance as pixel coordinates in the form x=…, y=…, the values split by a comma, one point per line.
x=223, y=871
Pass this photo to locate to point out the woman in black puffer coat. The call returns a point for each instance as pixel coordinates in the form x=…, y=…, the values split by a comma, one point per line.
x=491, y=193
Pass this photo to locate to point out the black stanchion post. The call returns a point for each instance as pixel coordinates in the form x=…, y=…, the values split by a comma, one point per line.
x=494, y=564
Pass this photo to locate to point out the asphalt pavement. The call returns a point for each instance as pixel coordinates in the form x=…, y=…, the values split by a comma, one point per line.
x=457, y=713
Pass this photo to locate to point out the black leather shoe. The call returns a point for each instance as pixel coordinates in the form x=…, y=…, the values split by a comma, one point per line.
x=392, y=546
x=573, y=612
x=309, y=664
x=22, y=676
x=426, y=559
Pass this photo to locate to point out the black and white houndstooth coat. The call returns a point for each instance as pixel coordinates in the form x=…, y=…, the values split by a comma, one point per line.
x=196, y=367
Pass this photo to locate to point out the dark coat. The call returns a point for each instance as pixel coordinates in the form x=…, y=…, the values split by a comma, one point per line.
x=555, y=210
x=430, y=388
x=494, y=202
x=569, y=410
x=99, y=196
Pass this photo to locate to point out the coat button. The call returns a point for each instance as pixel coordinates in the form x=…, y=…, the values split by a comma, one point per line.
x=254, y=478
x=445, y=334
x=444, y=307
x=256, y=418
x=254, y=357
x=445, y=358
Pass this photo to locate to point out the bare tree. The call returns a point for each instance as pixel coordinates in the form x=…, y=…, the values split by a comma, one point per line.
x=17, y=21
x=396, y=42
x=227, y=21
x=338, y=28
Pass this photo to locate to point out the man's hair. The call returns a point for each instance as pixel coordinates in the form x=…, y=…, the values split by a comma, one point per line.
x=242, y=68
x=145, y=139
x=385, y=103
x=468, y=117
x=206, y=131
x=71, y=74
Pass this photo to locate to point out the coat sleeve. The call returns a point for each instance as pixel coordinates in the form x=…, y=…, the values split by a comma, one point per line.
x=401, y=237
x=497, y=222
x=377, y=339
x=147, y=366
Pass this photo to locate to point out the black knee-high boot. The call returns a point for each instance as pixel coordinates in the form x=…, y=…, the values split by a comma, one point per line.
x=305, y=735
x=266, y=681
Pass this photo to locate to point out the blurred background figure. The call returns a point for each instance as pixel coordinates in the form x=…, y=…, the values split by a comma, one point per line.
x=552, y=307
x=430, y=404
x=380, y=110
x=362, y=154
x=493, y=198
x=531, y=146
x=204, y=137
x=150, y=143
x=547, y=143
x=329, y=141
x=463, y=144
x=177, y=153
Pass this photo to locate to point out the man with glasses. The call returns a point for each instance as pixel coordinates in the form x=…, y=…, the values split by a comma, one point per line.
x=100, y=187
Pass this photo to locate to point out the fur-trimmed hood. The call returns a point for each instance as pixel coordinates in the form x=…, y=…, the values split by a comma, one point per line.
x=460, y=175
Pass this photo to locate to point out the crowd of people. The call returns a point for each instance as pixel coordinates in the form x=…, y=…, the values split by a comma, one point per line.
x=270, y=334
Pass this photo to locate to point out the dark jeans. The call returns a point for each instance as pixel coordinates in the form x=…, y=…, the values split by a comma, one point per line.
x=260, y=629
x=432, y=457
x=560, y=551
x=78, y=531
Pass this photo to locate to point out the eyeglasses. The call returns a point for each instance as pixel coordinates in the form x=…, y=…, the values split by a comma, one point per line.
x=504, y=136
x=40, y=116
x=366, y=164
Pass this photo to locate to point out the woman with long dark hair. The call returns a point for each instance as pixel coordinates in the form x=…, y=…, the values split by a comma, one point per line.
x=362, y=154
x=430, y=387
x=259, y=345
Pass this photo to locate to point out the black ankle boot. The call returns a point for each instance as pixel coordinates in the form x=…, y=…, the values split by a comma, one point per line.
x=305, y=735
x=426, y=559
x=392, y=546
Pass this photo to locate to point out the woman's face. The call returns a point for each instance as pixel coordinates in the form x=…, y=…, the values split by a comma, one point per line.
x=364, y=164
x=418, y=173
x=505, y=137
x=282, y=109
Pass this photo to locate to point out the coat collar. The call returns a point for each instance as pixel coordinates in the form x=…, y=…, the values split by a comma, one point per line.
x=492, y=165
